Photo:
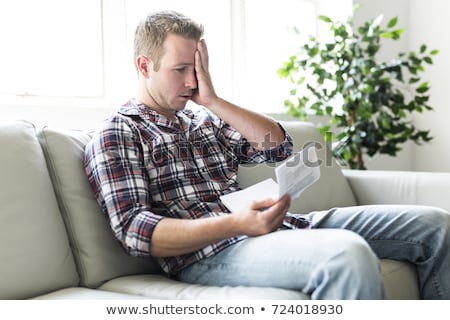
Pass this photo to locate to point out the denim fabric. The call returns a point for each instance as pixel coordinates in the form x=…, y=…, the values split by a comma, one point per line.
x=338, y=257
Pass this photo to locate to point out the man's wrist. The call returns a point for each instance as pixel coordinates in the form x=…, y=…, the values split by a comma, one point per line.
x=233, y=225
x=213, y=103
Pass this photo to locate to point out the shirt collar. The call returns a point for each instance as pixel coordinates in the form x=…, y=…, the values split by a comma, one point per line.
x=135, y=108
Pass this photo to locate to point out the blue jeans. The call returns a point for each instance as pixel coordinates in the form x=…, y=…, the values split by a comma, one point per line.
x=338, y=257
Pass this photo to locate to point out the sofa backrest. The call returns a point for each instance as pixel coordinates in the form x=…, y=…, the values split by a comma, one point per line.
x=331, y=190
x=98, y=255
x=35, y=255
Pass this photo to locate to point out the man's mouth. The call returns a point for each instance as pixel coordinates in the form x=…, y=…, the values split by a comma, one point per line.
x=186, y=95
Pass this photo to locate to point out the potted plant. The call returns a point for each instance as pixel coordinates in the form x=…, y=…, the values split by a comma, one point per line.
x=368, y=102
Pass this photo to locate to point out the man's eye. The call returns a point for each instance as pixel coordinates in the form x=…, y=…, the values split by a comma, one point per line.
x=182, y=69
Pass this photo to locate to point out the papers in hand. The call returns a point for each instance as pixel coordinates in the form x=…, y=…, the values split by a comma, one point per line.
x=298, y=172
x=294, y=175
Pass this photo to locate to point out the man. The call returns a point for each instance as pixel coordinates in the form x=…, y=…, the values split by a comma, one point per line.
x=158, y=170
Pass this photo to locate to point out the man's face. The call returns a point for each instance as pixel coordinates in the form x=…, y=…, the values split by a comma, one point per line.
x=171, y=87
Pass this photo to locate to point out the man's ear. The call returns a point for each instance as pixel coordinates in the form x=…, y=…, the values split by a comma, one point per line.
x=143, y=65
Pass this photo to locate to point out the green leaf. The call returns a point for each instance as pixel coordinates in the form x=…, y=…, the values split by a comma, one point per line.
x=330, y=46
x=392, y=22
x=325, y=19
x=387, y=35
x=424, y=87
x=397, y=34
x=324, y=131
x=414, y=80
x=423, y=48
x=428, y=60
x=329, y=110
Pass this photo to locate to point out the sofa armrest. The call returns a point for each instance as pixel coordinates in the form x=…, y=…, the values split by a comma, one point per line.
x=400, y=187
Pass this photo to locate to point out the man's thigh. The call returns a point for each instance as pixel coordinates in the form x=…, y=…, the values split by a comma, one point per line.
x=391, y=230
x=284, y=259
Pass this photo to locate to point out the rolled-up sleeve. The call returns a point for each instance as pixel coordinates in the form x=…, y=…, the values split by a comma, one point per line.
x=114, y=166
x=246, y=153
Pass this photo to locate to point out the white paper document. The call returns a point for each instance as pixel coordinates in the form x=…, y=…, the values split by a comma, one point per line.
x=298, y=172
x=294, y=175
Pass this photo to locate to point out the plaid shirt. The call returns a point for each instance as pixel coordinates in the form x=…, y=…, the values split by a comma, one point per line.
x=143, y=167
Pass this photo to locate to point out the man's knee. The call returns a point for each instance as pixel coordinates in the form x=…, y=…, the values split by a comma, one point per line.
x=355, y=253
x=352, y=271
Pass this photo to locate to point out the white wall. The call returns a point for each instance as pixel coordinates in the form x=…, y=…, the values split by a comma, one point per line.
x=425, y=22
x=86, y=118
x=429, y=23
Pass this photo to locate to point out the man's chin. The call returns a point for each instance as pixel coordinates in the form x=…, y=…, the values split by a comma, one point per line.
x=180, y=105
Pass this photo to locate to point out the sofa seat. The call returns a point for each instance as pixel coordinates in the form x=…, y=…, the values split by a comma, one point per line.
x=400, y=280
x=161, y=287
x=80, y=293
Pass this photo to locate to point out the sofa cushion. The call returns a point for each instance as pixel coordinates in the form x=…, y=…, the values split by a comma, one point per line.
x=99, y=256
x=80, y=293
x=331, y=190
x=400, y=281
x=160, y=287
x=35, y=255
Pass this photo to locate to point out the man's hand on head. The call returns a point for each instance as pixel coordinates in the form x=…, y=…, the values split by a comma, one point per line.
x=204, y=94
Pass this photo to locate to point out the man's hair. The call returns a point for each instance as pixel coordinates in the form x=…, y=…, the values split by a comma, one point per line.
x=152, y=31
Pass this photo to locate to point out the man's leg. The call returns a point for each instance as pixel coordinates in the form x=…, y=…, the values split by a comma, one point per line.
x=417, y=234
x=327, y=264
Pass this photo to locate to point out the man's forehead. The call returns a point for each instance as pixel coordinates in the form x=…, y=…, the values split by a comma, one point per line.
x=178, y=46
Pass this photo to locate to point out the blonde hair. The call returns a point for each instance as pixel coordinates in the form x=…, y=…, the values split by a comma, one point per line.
x=152, y=31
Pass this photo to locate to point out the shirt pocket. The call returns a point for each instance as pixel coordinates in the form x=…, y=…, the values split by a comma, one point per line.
x=163, y=150
x=161, y=156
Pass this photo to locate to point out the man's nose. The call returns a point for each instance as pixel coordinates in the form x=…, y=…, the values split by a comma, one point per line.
x=191, y=80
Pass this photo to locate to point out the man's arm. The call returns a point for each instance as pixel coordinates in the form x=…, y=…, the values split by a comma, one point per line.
x=261, y=131
x=172, y=237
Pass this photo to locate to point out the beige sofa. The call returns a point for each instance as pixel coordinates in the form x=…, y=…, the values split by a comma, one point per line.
x=55, y=242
